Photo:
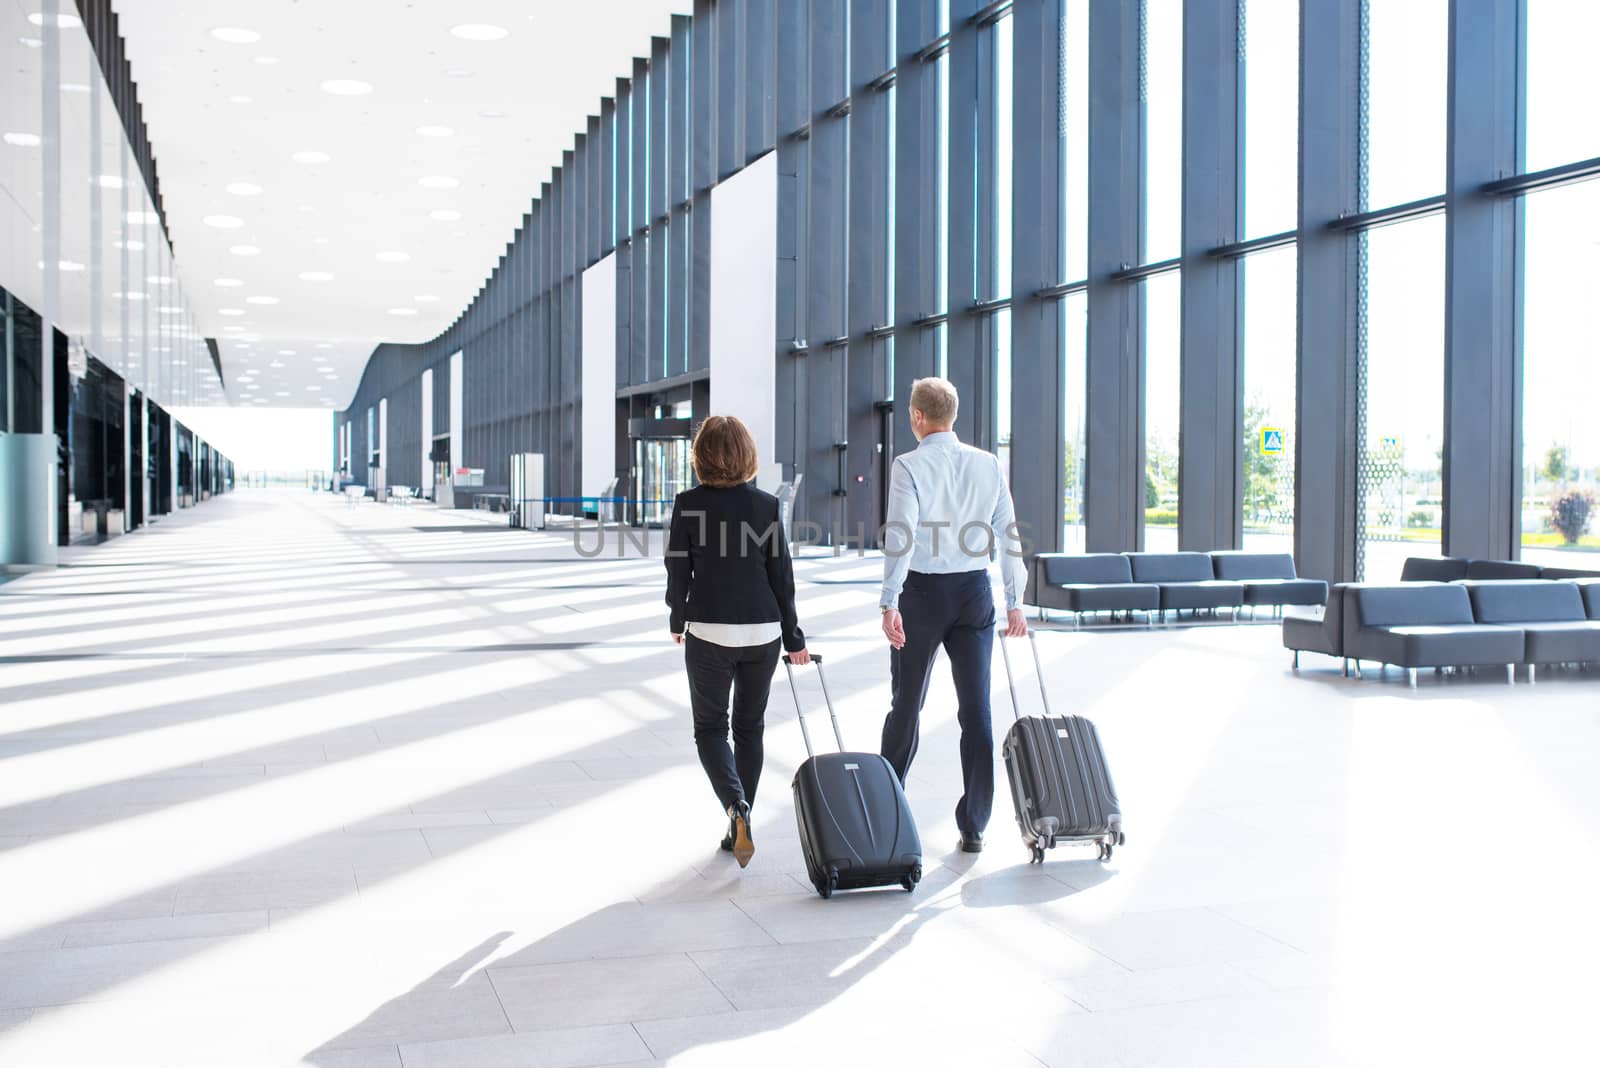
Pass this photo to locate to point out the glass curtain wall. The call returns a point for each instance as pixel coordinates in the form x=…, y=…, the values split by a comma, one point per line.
x=1267, y=352
x=1159, y=301
x=1074, y=238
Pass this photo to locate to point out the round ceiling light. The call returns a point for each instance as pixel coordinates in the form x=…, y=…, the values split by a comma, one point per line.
x=346, y=87
x=426, y=298
x=235, y=35
x=261, y=300
x=243, y=189
x=240, y=99
x=230, y=311
x=227, y=283
x=445, y=215
x=286, y=352
x=109, y=181
x=311, y=157
x=64, y=22
x=245, y=250
x=131, y=246
x=142, y=218
x=313, y=389
x=223, y=222
x=74, y=87
x=131, y=296
x=457, y=72
x=393, y=256
x=266, y=61
x=68, y=265
x=479, y=31
x=438, y=181
x=315, y=276
x=402, y=311
x=491, y=114
x=436, y=131
x=22, y=140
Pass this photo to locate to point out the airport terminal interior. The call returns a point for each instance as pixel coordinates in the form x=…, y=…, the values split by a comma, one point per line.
x=352, y=357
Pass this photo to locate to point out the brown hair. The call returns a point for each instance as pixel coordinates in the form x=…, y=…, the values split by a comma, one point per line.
x=936, y=399
x=724, y=453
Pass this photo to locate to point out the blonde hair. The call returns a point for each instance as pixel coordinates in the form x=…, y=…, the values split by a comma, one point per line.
x=724, y=452
x=936, y=399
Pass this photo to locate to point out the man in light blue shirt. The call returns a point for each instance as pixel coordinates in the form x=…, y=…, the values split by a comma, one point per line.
x=950, y=512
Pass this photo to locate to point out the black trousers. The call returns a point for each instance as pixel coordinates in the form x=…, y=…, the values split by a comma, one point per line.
x=734, y=772
x=956, y=612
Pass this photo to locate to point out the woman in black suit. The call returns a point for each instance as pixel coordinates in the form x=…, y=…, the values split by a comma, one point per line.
x=730, y=585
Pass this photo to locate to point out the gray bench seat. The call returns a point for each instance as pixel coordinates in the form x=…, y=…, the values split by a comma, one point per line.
x=1551, y=615
x=1428, y=626
x=1268, y=579
x=1095, y=582
x=1186, y=580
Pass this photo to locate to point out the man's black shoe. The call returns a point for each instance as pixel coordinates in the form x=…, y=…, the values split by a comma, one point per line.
x=972, y=841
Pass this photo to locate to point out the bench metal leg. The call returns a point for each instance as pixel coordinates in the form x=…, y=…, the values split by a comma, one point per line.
x=1511, y=674
x=1297, y=660
x=1411, y=673
x=1532, y=674
x=1358, y=669
x=1344, y=669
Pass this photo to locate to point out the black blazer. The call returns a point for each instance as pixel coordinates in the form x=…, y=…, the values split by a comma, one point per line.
x=728, y=561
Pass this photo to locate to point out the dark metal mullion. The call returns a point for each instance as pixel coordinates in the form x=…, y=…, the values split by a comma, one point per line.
x=1482, y=452
x=640, y=335
x=965, y=364
x=916, y=199
x=1145, y=270
x=1210, y=382
x=826, y=266
x=1366, y=220
x=760, y=71
x=1113, y=474
x=1255, y=244
x=793, y=102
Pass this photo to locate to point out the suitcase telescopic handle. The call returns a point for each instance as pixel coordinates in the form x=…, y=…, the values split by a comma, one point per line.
x=800, y=713
x=1038, y=670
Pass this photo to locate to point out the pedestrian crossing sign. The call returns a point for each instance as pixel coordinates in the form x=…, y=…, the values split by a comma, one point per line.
x=1272, y=441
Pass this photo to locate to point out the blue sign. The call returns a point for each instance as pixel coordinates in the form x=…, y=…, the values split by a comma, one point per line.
x=1271, y=441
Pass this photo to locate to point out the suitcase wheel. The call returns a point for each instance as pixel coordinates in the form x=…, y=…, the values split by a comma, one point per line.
x=827, y=886
x=1105, y=851
x=1038, y=854
x=912, y=879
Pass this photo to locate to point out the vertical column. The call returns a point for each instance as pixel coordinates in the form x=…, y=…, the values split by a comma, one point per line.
x=793, y=271
x=1038, y=416
x=867, y=238
x=1325, y=407
x=761, y=58
x=964, y=330
x=916, y=150
x=703, y=105
x=827, y=268
x=731, y=85
x=683, y=221
x=661, y=235
x=1482, y=376
x=1211, y=383
x=640, y=335
x=1113, y=478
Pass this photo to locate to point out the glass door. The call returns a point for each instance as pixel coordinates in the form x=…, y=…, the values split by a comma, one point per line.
x=661, y=471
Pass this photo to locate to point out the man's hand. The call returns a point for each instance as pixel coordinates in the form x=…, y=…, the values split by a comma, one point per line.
x=893, y=629
x=1016, y=624
x=800, y=656
x=678, y=638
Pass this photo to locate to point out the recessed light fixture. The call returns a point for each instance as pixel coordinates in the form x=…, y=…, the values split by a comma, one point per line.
x=479, y=31
x=243, y=189
x=426, y=298
x=239, y=99
x=313, y=389
x=65, y=22
x=393, y=256
x=109, y=181
x=457, y=72
x=402, y=311
x=261, y=300
x=68, y=266
x=319, y=359
x=235, y=35
x=74, y=87
x=223, y=222
x=286, y=352
x=319, y=241
x=311, y=157
x=315, y=276
x=444, y=214
x=230, y=311
x=436, y=131
x=275, y=363
x=171, y=309
x=438, y=181
x=232, y=329
x=266, y=61
x=22, y=140
x=323, y=345
x=227, y=283
x=135, y=297
x=346, y=87
x=491, y=114
x=131, y=246
x=245, y=250
x=281, y=393
x=142, y=218
x=31, y=42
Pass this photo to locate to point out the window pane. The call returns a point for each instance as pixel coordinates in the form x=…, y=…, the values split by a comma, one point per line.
x=1402, y=395
x=1003, y=92
x=942, y=127
x=1002, y=388
x=1267, y=344
x=1561, y=377
x=1560, y=64
x=1161, y=413
x=1074, y=326
x=1075, y=145
x=1403, y=104
x=1269, y=32
x=1162, y=78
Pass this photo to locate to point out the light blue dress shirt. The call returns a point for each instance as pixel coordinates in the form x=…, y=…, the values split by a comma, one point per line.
x=950, y=511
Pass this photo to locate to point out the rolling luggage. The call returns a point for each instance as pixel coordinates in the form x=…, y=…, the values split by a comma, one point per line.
x=856, y=829
x=1060, y=783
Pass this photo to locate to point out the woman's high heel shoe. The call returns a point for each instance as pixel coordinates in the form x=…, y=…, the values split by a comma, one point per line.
x=743, y=846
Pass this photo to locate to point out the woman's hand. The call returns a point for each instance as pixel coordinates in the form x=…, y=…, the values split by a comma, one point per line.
x=678, y=638
x=800, y=656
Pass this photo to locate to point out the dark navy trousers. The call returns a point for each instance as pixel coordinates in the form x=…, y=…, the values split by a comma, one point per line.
x=956, y=612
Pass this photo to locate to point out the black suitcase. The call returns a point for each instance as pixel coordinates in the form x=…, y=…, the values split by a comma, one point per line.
x=1060, y=783
x=856, y=829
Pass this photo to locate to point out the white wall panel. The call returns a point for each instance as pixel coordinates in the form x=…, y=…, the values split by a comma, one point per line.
x=598, y=392
x=744, y=301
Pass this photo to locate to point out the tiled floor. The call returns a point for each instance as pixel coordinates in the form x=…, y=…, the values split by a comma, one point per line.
x=285, y=780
